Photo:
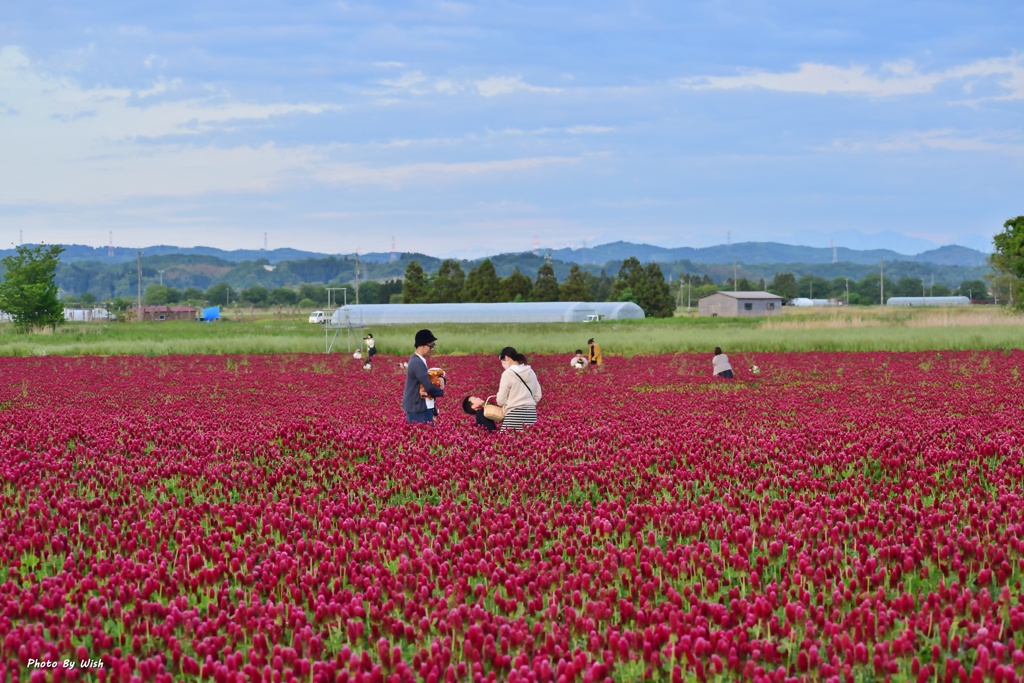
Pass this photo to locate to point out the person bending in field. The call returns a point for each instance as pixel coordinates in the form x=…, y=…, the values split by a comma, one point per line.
x=720, y=365
x=474, y=405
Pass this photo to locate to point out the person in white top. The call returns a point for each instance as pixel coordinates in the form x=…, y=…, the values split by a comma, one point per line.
x=579, y=361
x=720, y=365
x=519, y=391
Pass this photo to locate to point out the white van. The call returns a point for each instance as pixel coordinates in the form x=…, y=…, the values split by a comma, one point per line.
x=318, y=317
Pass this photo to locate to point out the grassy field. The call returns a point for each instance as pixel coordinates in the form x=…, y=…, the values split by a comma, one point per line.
x=851, y=329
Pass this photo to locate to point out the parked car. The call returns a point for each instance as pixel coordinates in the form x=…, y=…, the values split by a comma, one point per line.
x=318, y=317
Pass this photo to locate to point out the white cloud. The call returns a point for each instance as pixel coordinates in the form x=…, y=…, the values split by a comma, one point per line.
x=891, y=79
x=91, y=146
x=589, y=130
x=1007, y=143
x=408, y=81
x=396, y=176
x=506, y=85
x=456, y=8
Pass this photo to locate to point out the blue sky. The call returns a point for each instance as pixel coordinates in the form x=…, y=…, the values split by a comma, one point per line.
x=476, y=128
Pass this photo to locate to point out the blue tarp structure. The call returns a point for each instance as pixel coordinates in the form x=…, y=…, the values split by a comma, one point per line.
x=212, y=313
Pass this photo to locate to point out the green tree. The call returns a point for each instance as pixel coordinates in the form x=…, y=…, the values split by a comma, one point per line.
x=389, y=289
x=908, y=286
x=283, y=296
x=838, y=287
x=255, y=295
x=482, y=284
x=369, y=292
x=414, y=287
x=784, y=285
x=574, y=288
x=28, y=292
x=631, y=274
x=221, y=294
x=1008, y=258
x=654, y=295
x=600, y=286
x=814, y=287
x=448, y=283
x=545, y=287
x=156, y=295
x=315, y=293
x=646, y=287
x=975, y=289
x=516, y=287
x=869, y=290
x=192, y=294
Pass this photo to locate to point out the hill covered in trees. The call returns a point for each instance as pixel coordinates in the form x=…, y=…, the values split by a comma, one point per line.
x=206, y=275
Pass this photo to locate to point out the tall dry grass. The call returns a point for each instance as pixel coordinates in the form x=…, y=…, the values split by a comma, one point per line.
x=852, y=329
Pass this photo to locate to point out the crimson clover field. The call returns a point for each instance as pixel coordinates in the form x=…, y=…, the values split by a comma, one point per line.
x=845, y=517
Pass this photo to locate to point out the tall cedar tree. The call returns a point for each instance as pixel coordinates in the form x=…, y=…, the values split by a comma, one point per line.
x=784, y=285
x=630, y=274
x=546, y=286
x=414, y=287
x=644, y=286
x=28, y=292
x=600, y=286
x=449, y=283
x=575, y=286
x=516, y=287
x=655, y=297
x=482, y=284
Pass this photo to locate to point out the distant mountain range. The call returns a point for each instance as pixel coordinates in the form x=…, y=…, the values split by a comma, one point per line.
x=105, y=275
x=752, y=253
x=748, y=253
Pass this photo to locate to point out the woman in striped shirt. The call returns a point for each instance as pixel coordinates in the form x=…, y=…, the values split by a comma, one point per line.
x=519, y=391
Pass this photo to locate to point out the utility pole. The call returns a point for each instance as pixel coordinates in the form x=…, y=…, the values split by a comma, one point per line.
x=881, y=282
x=161, y=277
x=357, y=277
x=735, y=286
x=847, y=291
x=138, y=263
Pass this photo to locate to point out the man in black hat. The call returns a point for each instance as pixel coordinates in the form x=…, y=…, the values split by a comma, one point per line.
x=415, y=408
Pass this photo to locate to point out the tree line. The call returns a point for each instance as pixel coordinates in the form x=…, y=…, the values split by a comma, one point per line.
x=29, y=294
x=641, y=284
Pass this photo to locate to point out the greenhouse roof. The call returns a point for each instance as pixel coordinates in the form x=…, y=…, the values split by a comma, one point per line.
x=535, y=312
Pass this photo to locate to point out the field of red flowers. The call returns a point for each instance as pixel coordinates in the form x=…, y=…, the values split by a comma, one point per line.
x=835, y=517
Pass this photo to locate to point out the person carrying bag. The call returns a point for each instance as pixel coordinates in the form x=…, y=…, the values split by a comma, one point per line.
x=519, y=391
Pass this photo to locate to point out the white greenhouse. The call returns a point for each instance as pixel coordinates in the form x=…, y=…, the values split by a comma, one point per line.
x=803, y=301
x=525, y=312
x=927, y=301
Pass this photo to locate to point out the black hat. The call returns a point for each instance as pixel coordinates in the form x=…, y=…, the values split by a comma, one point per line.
x=590, y=341
x=424, y=337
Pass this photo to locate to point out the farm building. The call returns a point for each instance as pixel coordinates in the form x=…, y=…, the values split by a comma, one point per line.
x=927, y=301
x=733, y=304
x=525, y=312
x=167, y=313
